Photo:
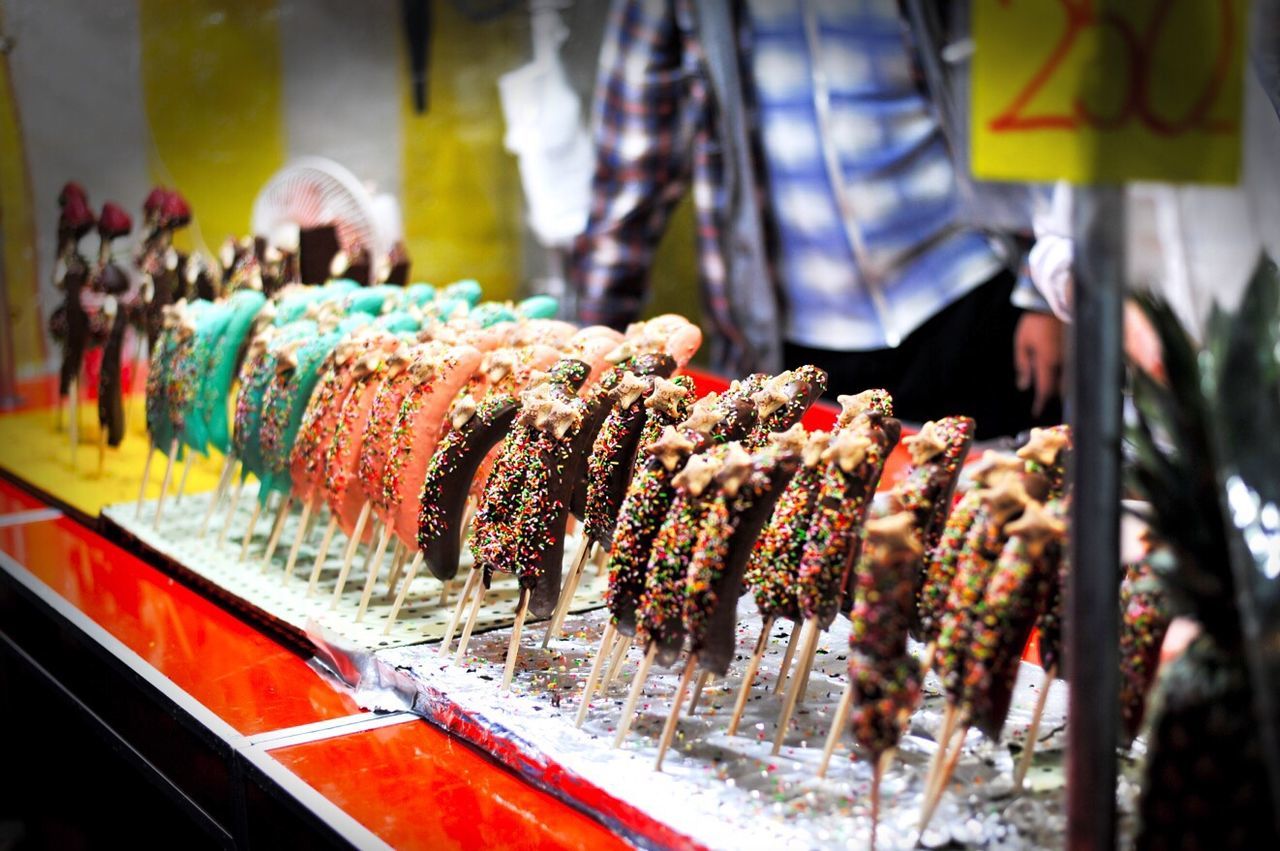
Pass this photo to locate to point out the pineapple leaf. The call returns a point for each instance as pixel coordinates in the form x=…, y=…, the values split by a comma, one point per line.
x=1173, y=469
x=1246, y=382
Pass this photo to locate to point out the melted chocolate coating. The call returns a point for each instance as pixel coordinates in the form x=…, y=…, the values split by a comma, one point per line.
x=110, y=397
x=599, y=406
x=449, y=476
x=659, y=614
x=71, y=323
x=1015, y=593
x=807, y=386
x=544, y=520
x=731, y=544
x=644, y=505
x=649, y=497
x=775, y=561
x=166, y=286
x=609, y=469
x=832, y=540
x=498, y=539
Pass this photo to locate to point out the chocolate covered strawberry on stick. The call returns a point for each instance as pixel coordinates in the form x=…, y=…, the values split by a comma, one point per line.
x=164, y=212
x=112, y=288
x=69, y=323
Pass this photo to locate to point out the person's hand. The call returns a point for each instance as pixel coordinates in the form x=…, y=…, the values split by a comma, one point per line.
x=1141, y=343
x=1037, y=357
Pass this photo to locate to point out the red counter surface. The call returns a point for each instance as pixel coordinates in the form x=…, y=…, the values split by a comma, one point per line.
x=408, y=785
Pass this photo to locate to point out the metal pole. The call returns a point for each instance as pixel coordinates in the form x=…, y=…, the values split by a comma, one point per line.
x=8, y=373
x=1092, y=627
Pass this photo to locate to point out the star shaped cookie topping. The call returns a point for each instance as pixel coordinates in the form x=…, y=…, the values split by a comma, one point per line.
x=735, y=468
x=671, y=448
x=848, y=449
x=698, y=472
x=772, y=395
x=666, y=397
x=926, y=444
x=895, y=534
x=794, y=439
x=1045, y=445
x=704, y=415
x=994, y=465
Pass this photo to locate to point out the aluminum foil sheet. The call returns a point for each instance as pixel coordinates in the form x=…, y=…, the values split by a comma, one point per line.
x=730, y=791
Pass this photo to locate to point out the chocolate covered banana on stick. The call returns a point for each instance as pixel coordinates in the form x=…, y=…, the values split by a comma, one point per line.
x=745, y=489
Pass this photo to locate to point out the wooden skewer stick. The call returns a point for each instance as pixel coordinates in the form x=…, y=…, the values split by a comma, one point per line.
x=637, y=685
x=186, y=471
x=352, y=546
x=276, y=529
x=467, y=587
x=669, y=731
x=940, y=755
x=926, y=663
x=399, y=558
x=749, y=677
x=703, y=679
x=142, y=489
x=224, y=481
x=606, y=643
x=806, y=670
x=566, y=593
x=233, y=504
x=374, y=569
x=808, y=643
x=513, y=646
x=1033, y=732
x=74, y=398
x=248, y=532
x=322, y=553
x=785, y=665
x=837, y=729
x=102, y=451
x=940, y=788
x=164, y=485
x=304, y=526
x=615, y=663
x=471, y=623
x=468, y=514
x=446, y=587
x=404, y=592
x=877, y=777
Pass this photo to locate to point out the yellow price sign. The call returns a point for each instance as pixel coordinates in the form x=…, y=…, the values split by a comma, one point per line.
x=1103, y=91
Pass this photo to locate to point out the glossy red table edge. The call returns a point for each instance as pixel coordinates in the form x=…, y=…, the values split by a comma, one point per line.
x=207, y=664
x=347, y=803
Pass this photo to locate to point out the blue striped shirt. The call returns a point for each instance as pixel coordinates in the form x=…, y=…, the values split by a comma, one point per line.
x=896, y=257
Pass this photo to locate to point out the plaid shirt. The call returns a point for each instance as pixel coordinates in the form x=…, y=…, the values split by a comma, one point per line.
x=846, y=283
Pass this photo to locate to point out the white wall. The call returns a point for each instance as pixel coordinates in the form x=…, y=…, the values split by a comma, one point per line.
x=75, y=70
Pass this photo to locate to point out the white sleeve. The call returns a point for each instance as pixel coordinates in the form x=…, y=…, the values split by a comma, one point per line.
x=1049, y=262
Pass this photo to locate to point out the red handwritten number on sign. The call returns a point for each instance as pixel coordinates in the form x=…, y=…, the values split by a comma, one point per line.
x=1139, y=50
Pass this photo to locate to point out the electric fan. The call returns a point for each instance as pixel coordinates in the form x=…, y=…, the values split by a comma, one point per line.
x=313, y=192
